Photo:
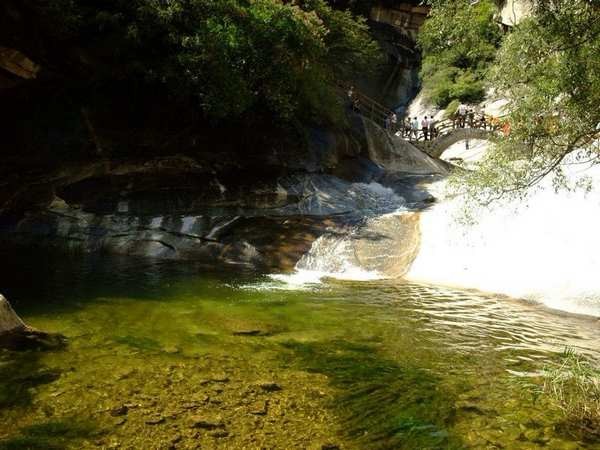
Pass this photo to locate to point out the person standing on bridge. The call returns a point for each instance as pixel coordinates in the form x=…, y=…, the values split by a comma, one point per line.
x=353, y=99
x=393, y=123
x=406, y=128
x=425, y=128
x=483, y=121
x=462, y=115
x=432, y=129
x=414, y=128
x=471, y=115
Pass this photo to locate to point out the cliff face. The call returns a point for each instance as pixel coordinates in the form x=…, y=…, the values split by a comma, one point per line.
x=114, y=167
x=514, y=11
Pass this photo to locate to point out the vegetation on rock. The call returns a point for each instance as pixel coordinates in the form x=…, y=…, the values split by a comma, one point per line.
x=575, y=388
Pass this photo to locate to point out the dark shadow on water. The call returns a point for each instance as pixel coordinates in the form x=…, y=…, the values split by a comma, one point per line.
x=381, y=404
x=56, y=281
x=51, y=435
x=19, y=373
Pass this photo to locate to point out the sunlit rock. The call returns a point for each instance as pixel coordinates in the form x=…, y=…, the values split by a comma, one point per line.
x=16, y=335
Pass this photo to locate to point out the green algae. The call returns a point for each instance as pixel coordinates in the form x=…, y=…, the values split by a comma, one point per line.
x=417, y=411
x=51, y=435
x=361, y=366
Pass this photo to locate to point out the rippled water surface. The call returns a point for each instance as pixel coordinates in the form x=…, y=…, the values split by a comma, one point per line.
x=173, y=356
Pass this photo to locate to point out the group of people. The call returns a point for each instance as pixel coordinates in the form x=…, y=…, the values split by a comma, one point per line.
x=413, y=128
x=427, y=127
x=465, y=117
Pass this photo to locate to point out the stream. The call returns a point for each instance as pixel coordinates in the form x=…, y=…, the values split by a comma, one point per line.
x=165, y=354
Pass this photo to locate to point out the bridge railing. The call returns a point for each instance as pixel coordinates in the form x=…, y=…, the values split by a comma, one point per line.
x=379, y=113
x=447, y=126
x=366, y=106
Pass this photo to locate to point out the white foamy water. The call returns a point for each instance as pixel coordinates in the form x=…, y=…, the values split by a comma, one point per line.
x=547, y=251
x=333, y=255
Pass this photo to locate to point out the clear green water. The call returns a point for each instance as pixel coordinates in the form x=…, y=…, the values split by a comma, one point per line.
x=156, y=360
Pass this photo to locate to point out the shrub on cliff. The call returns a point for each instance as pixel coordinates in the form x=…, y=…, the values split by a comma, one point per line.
x=549, y=70
x=229, y=56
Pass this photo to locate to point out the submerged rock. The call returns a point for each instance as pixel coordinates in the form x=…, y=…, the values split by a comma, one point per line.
x=9, y=321
x=270, y=386
x=16, y=335
x=249, y=333
x=207, y=423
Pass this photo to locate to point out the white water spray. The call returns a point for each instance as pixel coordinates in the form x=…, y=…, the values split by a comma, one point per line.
x=547, y=251
x=364, y=252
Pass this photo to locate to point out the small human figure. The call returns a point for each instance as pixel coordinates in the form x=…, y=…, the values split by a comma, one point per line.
x=471, y=117
x=483, y=121
x=407, y=127
x=393, y=123
x=414, y=128
x=432, y=129
x=425, y=128
x=353, y=99
x=462, y=115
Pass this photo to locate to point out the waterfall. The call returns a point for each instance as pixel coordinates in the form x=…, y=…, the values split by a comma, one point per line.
x=382, y=245
x=397, y=155
x=547, y=251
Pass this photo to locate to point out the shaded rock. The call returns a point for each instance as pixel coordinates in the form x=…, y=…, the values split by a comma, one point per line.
x=330, y=447
x=155, y=420
x=119, y=411
x=15, y=335
x=270, y=387
x=9, y=321
x=249, y=333
x=220, y=434
x=171, y=350
x=215, y=379
x=191, y=405
x=206, y=423
x=18, y=64
x=120, y=421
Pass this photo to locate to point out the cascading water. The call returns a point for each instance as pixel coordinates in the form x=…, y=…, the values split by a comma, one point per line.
x=546, y=251
x=397, y=155
x=381, y=245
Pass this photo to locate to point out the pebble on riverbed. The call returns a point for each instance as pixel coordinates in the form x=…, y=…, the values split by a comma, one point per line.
x=206, y=423
x=270, y=386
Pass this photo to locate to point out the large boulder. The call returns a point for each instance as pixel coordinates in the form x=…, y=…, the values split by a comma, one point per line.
x=9, y=321
x=16, y=335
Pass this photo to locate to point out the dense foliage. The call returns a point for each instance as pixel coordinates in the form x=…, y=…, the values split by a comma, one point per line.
x=459, y=42
x=231, y=57
x=549, y=70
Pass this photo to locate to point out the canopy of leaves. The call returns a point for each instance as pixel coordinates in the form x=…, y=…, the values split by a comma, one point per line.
x=231, y=57
x=459, y=42
x=549, y=70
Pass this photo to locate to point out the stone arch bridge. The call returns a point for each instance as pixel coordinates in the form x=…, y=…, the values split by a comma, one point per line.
x=447, y=131
x=437, y=146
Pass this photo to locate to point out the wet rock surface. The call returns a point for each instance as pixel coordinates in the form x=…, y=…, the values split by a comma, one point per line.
x=270, y=226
